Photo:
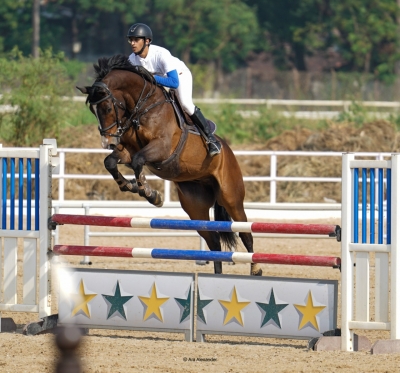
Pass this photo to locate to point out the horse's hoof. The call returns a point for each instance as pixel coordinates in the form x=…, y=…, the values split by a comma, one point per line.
x=257, y=273
x=156, y=199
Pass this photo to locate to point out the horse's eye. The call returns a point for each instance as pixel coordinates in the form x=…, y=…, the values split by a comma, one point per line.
x=108, y=110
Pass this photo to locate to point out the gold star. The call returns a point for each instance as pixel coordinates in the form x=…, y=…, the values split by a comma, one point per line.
x=233, y=307
x=81, y=301
x=309, y=312
x=153, y=304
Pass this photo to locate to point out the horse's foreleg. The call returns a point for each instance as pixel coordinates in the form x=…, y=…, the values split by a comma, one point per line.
x=145, y=190
x=111, y=164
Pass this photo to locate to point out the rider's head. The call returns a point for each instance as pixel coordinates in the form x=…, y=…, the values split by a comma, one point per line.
x=139, y=33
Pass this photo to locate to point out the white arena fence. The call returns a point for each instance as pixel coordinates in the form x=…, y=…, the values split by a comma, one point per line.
x=272, y=178
x=313, y=112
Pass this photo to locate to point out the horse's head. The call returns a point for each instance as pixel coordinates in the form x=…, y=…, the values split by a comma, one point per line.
x=107, y=101
x=110, y=113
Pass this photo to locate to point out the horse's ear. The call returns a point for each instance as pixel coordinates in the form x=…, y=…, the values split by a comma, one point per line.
x=84, y=90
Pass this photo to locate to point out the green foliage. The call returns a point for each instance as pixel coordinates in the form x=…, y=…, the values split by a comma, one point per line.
x=223, y=33
x=236, y=129
x=366, y=33
x=230, y=124
x=205, y=30
x=356, y=114
x=36, y=89
x=74, y=68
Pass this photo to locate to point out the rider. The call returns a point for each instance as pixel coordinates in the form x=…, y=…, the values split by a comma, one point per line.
x=169, y=72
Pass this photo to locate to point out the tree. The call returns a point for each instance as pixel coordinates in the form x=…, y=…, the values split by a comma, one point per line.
x=206, y=30
x=294, y=28
x=16, y=25
x=366, y=33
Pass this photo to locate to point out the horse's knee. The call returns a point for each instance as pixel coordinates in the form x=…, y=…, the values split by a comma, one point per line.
x=138, y=161
x=110, y=162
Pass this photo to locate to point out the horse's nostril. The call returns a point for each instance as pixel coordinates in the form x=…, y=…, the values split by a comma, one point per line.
x=112, y=146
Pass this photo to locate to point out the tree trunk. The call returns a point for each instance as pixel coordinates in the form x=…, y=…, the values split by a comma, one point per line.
x=36, y=28
x=219, y=78
x=75, y=44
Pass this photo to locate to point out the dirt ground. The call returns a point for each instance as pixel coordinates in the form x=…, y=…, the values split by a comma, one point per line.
x=133, y=351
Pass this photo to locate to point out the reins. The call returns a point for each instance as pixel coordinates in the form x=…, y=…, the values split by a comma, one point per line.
x=138, y=111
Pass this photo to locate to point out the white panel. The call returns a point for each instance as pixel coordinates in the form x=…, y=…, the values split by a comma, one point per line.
x=19, y=307
x=370, y=164
x=19, y=234
x=1, y=272
x=10, y=270
x=19, y=153
x=370, y=247
x=1, y=186
x=369, y=325
x=171, y=294
x=362, y=287
x=265, y=306
x=382, y=287
x=395, y=257
x=30, y=271
x=45, y=234
x=347, y=260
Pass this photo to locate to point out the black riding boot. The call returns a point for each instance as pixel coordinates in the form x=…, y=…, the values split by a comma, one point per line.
x=214, y=146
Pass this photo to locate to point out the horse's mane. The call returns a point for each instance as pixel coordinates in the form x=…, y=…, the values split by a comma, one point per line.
x=118, y=62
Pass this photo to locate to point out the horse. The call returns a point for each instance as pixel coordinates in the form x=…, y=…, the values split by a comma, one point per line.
x=137, y=121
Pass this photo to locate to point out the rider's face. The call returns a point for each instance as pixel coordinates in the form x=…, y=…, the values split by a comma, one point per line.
x=136, y=44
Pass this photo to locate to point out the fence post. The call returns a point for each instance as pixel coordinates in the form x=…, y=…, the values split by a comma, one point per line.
x=394, y=254
x=47, y=151
x=272, y=189
x=347, y=256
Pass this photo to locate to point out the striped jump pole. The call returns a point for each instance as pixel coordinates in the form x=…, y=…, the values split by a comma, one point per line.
x=330, y=230
x=222, y=256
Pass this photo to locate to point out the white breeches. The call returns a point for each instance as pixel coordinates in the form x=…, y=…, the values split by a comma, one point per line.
x=185, y=91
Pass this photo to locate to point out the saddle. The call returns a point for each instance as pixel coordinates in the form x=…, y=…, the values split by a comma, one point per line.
x=182, y=117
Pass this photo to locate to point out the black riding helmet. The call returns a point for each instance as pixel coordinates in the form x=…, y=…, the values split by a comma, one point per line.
x=140, y=30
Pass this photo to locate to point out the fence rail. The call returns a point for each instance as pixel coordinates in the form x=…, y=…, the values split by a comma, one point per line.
x=270, y=103
x=272, y=156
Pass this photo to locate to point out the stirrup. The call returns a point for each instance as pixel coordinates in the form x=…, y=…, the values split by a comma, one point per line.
x=214, y=148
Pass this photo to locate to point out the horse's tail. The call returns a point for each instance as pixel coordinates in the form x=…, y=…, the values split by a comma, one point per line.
x=229, y=239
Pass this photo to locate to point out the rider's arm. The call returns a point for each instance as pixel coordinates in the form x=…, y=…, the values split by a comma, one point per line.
x=171, y=81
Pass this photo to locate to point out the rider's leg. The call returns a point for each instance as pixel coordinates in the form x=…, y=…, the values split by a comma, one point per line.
x=214, y=146
x=185, y=96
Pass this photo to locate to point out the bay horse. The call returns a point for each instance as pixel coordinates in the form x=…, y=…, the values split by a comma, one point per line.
x=137, y=121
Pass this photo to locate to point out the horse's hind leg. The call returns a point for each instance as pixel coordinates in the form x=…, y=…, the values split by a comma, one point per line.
x=111, y=164
x=232, y=199
x=196, y=200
